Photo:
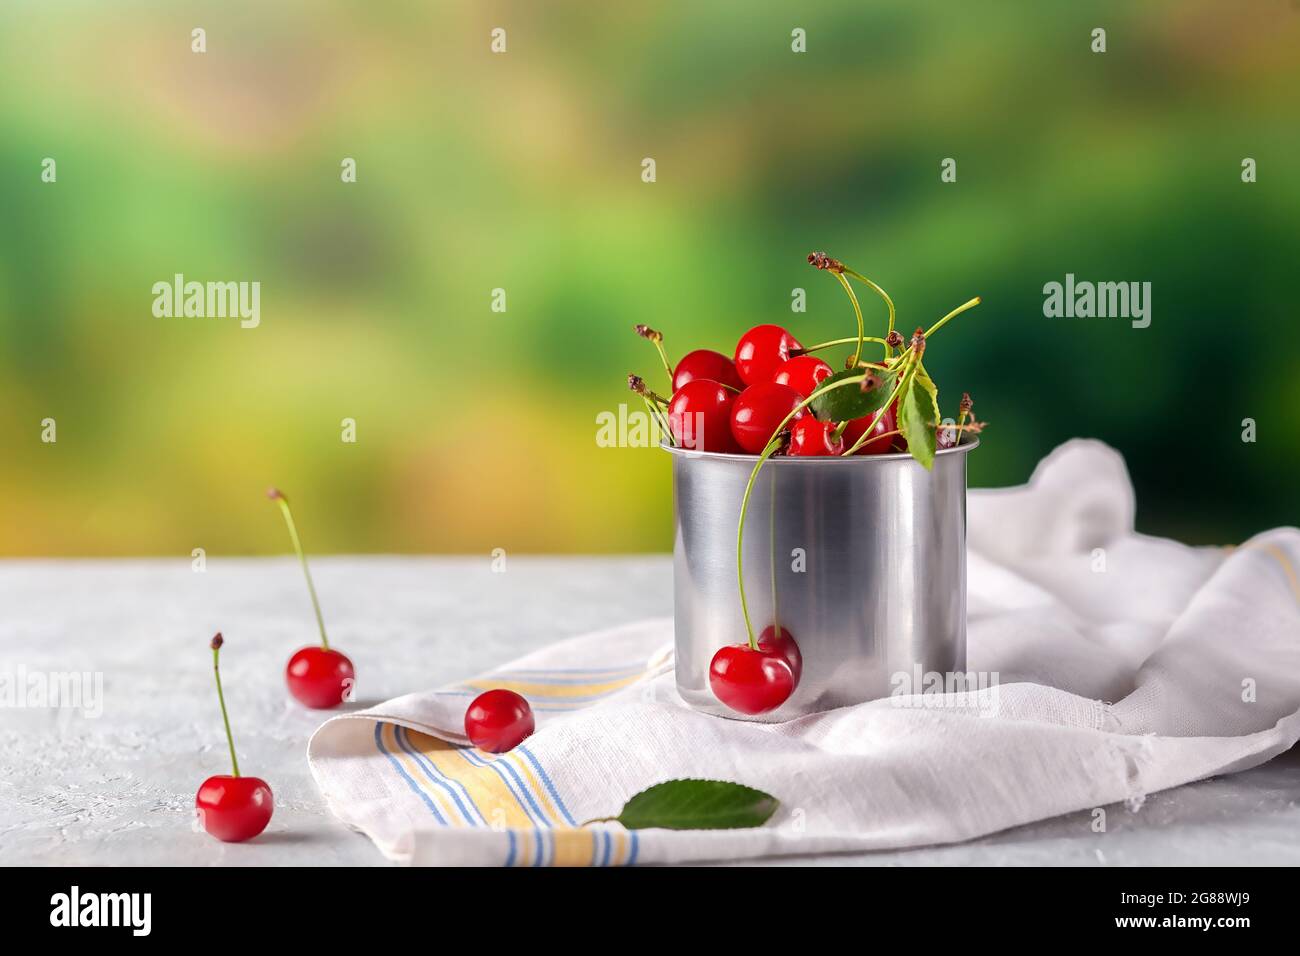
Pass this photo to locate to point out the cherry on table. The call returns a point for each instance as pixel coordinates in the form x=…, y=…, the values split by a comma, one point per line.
x=761, y=350
x=803, y=373
x=318, y=676
x=231, y=807
x=706, y=363
x=699, y=416
x=751, y=681
x=499, y=720
x=234, y=809
x=758, y=410
x=810, y=437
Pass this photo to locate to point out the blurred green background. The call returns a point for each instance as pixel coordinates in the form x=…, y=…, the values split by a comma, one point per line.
x=522, y=171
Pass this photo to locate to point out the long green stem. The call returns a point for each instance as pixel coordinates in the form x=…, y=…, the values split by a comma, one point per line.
x=657, y=338
x=952, y=315
x=663, y=357
x=661, y=423
x=225, y=718
x=880, y=292
x=283, y=502
x=773, y=444
x=771, y=549
x=857, y=310
x=851, y=339
x=771, y=448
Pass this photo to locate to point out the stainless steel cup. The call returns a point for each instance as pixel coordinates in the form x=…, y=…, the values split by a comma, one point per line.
x=862, y=559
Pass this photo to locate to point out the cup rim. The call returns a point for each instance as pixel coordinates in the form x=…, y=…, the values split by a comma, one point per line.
x=807, y=460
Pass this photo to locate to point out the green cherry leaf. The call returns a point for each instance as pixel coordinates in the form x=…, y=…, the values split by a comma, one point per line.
x=698, y=805
x=846, y=402
x=918, y=417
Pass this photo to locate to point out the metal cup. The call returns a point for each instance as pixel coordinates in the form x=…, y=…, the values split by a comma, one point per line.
x=862, y=559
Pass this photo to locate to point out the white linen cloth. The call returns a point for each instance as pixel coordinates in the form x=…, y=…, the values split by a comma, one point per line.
x=1198, y=648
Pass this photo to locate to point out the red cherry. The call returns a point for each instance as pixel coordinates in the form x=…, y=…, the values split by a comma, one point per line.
x=761, y=350
x=757, y=412
x=320, y=678
x=234, y=809
x=706, y=363
x=231, y=807
x=803, y=373
x=784, y=645
x=699, y=415
x=751, y=681
x=811, y=437
x=857, y=427
x=499, y=720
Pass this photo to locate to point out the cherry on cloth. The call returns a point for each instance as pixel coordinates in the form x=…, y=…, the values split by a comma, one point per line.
x=751, y=681
x=499, y=720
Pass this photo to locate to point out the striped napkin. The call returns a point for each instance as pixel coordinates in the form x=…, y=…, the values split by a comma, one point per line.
x=1069, y=609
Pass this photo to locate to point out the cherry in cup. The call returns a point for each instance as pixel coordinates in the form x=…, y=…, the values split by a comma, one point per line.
x=231, y=807
x=803, y=373
x=706, y=363
x=761, y=350
x=810, y=437
x=699, y=416
x=499, y=720
x=883, y=440
x=758, y=410
x=318, y=676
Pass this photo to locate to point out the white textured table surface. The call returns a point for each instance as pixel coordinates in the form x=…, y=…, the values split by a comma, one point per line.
x=119, y=788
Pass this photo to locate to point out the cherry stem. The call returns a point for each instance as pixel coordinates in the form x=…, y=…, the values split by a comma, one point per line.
x=904, y=377
x=283, y=502
x=973, y=428
x=225, y=719
x=658, y=339
x=857, y=310
x=771, y=554
x=880, y=292
x=773, y=444
x=637, y=384
x=952, y=315
x=656, y=413
x=771, y=448
x=825, y=345
x=663, y=356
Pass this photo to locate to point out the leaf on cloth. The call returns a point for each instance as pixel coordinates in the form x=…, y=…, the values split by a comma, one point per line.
x=698, y=805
